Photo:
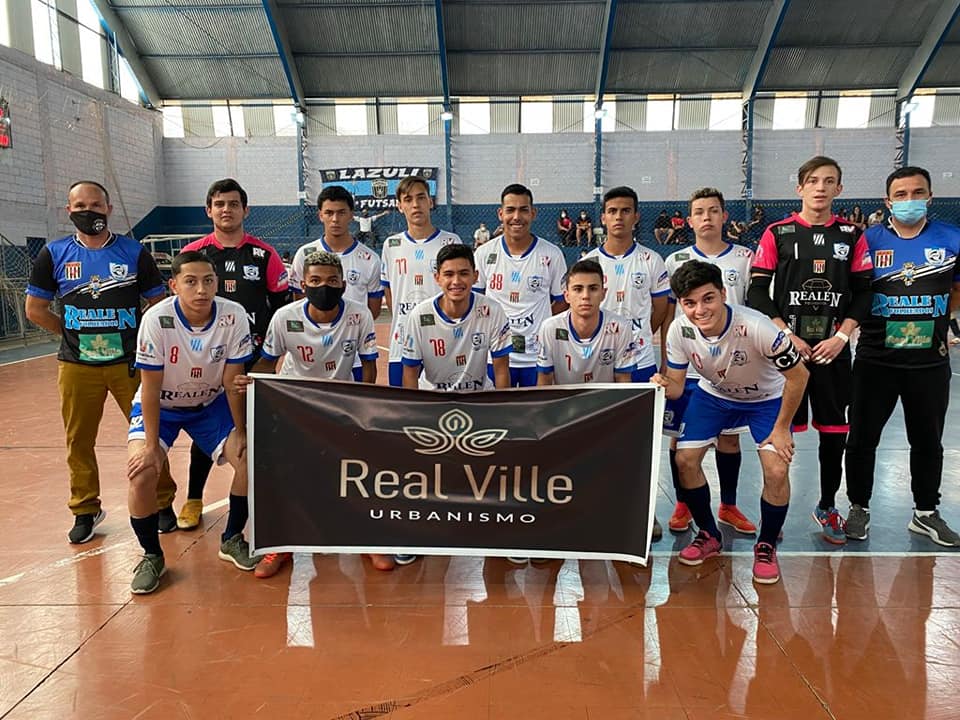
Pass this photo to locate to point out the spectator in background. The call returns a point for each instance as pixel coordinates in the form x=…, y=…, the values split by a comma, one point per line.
x=481, y=235
x=735, y=230
x=564, y=229
x=498, y=231
x=366, y=234
x=757, y=217
x=678, y=230
x=876, y=217
x=584, y=229
x=856, y=218
x=661, y=227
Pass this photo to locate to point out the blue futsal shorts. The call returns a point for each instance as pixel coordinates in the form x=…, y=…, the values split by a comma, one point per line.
x=208, y=425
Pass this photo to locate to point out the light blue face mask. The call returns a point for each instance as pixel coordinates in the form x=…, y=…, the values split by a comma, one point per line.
x=909, y=212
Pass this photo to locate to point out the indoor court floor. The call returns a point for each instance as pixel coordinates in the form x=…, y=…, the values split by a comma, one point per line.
x=865, y=632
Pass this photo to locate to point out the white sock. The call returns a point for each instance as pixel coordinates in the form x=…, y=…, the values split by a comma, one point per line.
x=924, y=513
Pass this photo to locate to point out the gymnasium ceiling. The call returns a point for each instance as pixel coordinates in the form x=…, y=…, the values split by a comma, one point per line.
x=312, y=49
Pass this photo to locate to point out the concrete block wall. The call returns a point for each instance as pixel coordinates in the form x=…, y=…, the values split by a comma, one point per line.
x=65, y=130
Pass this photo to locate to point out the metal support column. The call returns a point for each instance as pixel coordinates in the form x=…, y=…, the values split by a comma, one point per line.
x=448, y=167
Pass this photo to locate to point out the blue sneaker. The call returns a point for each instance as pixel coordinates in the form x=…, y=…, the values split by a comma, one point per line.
x=405, y=559
x=832, y=526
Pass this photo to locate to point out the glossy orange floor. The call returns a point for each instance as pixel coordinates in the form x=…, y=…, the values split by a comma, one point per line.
x=847, y=636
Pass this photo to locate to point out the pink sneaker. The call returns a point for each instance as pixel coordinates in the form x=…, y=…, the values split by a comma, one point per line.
x=766, y=570
x=703, y=546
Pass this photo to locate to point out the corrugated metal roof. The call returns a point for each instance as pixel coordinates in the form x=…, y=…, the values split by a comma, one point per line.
x=412, y=76
x=212, y=31
x=944, y=71
x=173, y=5
x=192, y=78
x=657, y=71
x=495, y=25
x=828, y=22
x=840, y=69
x=491, y=74
x=690, y=24
x=384, y=29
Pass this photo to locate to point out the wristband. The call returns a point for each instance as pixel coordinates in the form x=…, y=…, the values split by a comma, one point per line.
x=787, y=331
x=842, y=335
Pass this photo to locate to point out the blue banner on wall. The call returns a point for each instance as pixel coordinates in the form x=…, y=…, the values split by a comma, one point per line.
x=375, y=188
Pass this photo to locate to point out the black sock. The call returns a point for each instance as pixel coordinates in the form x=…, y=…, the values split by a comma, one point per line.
x=675, y=475
x=200, y=464
x=237, y=517
x=831, y=450
x=771, y=521
x=147, y=532
x=728, y=470
x=698, y=500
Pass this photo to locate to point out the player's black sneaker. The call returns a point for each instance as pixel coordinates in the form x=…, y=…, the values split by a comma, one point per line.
x=83, y=525
x=166, y=520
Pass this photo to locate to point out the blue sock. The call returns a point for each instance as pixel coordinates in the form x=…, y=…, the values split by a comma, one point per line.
x=728, y=470
x=148, y=535
x=675, y=475
x=698, y=500
x=771, y=521
x=237, y=517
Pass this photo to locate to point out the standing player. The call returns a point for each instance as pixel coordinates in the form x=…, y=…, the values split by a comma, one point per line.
x=251, y=273
x=820, y=269
x=707, y=218
x=409, y=263
x=750, y=374
x=100, y=279
x=361, y=265
x=585, y=344
x=190, y=347
x=319, y=338
x=448, y=337
x=524, y=273
x=903, y=353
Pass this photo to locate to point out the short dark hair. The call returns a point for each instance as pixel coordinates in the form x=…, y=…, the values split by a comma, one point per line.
x=335, y=193
x=324, y=258
x=454, y=252
x=189, y=256
x=818, y=161
x=587, y=266
x=621, y=191
x=516, y=189
x=908, y=171
x=91, y=182
x=703, y=194
x=693, y=274
x=403, y=187
x=225, y=186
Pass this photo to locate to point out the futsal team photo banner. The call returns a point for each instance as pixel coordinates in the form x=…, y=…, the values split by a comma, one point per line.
x=554, y=472
x=375, y=188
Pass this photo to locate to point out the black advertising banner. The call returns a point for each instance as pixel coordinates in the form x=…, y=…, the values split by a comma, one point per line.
x=553, y=472
x=375, y=188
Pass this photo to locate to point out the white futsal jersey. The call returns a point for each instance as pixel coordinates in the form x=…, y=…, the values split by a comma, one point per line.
x=632, y=281
x=734, y=263
x=320, y=350
x=743, y=363
x=192, y=359
x=454, y=352
x=574, y=360
x=361, y=269
x=407, y=268
x=525, y=286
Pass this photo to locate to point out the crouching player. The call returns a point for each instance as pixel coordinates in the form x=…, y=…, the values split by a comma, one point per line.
x=320, y=338
x=190, y=346
x=750, y=375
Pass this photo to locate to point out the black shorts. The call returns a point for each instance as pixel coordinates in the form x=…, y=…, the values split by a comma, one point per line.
x=828, y=395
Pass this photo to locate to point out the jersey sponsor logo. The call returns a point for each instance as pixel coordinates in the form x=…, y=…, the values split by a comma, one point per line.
x=606, y=356
x=230, y=266
x=230, y=286
x=418, y=279
x=393, y=242
x=364, y=255
x=612, y=328
x=740, y=331
x=731, y=276
x=196, y=372
x=639, y=280
x=739, y=357
x=251, y=272
x=330, y=365
x=166, y=322
x=94, y=286
x=883, y=259
x=461, y=360
x=427, y=319
x=935, y=256
x=217, y=352
x=294, y=325
x=100, y=347
x=282, y=277
x=147, y=347
x=697, y=361
x=588, y=377
x=715, y=350
x=353, y=320
x=682, y=257
x=348, y=346
x=483, y=311
x=196, y=344
x=535, y=283
x=819, y=239
x=491, y=258
x=477, y=340
x=742, y=252
x=841, y=251
x=226, y=320
x=72, y=270
x=310, y=249
x=75, y=318
x=847, y=228
x=353, y=276
x=778, y=341
x=545, y=261
x=815, y=292
x=621, y=296
x=819, y=266
x=458, y=332
x=515, y=296
x=516, y=276
x=908, y=273
x=259, y=252
x=418, y=254
x=687, y=332
x=562, y=334
x=119, y=271
x=929, y=305
x=518, y=343
x=786, y=229
x=618, y=269
x=433, y=265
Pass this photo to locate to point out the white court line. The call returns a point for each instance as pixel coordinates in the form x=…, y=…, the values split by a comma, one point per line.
x=38, y=357
x=386, y=349
x=63, y=562
x=825, y=553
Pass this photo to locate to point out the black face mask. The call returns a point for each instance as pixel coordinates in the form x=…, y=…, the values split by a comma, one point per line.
x=89, y=222
x=323, y=297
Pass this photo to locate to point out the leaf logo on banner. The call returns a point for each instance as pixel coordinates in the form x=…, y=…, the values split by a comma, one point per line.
x=455, y=431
